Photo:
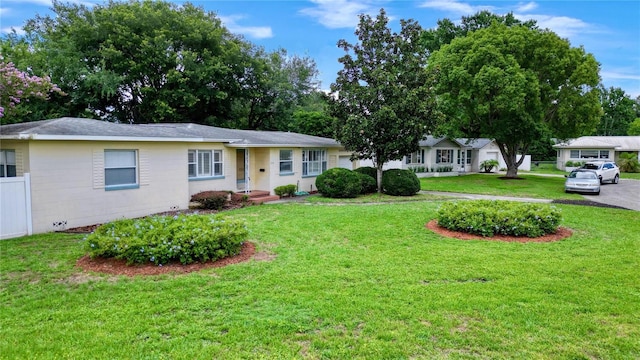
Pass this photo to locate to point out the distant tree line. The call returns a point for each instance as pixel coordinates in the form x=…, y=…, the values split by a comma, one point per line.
x=145, y=61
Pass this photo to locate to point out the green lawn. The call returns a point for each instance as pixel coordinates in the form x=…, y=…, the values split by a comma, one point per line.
x=532, y=186
x=346, y=282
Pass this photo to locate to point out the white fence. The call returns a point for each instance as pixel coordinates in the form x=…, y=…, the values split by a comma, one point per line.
x=15, y=207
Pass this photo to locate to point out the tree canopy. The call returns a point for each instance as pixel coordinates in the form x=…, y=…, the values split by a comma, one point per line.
x=381, y=96
x=515, y=84
x=618, y=112
x=155, y=61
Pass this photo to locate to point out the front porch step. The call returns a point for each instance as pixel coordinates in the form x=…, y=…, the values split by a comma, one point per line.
x=261, y=196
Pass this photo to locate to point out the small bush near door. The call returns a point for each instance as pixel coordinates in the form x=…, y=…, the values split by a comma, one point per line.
x=400, y=182
x=285, y=190
x=211, y=200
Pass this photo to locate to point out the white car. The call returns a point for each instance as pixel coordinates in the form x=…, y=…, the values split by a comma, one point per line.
x=582, y=181
x=606, y=171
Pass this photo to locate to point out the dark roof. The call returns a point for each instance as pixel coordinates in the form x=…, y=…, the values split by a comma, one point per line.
x=431, y=141
x=88, y=129
x=474, y=143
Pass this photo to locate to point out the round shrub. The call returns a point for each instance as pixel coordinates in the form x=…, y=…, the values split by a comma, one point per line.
x=368, y=170
x=162, y=239
x=400, y=182
x=339, y=183
x=490, y=217
x=369, y=184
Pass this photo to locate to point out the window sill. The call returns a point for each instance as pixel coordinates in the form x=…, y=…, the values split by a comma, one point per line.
x=287, y=174
x=310, y=176
x=121, y=187
x=206, y=178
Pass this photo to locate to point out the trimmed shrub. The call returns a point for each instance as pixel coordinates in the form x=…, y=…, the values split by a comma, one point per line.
x=162, y=239
x=339, y=183
x=369, y=184
x=489, y=164
x=285, y=190
x=368, y=170
x=211, y=200
x=490, y=217
x=400, y=182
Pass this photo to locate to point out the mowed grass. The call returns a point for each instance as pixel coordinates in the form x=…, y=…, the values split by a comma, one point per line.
x=528, y=186
x=346, y=281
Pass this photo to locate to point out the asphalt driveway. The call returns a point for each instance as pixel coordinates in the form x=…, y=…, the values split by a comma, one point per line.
x=625, y=194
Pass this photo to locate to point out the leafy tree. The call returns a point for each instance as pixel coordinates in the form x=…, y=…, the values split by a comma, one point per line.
x=447, y=30
x=17, y=88
x=618, y=112
x=274, y=84
x=155, y=61
x=382, y=97
x=634, y=128
x=515, y=84
x=312, y=117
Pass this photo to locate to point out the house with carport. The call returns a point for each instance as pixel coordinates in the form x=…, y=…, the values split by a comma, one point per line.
x=76, y=172
x=589, y=148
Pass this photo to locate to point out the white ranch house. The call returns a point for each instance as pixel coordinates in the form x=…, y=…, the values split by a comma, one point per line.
x=439, y=156
x=70, y=172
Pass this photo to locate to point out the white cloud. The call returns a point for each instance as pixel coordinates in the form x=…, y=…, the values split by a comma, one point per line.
x=34, y=2
x=455, y=7
x=257, y=32
x=522, y=7
x=619, y=75
x=7, y=30
x=336, y=14
x=564, y=26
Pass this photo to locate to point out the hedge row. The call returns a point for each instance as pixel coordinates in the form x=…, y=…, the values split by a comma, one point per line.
x=344, y=183
x=490, y=217
x=162, y=239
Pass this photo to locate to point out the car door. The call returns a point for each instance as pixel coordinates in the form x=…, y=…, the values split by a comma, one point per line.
x=607, y=172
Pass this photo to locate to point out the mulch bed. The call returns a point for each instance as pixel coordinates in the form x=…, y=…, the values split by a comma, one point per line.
x=120, y=267
x=587, y=203
x=562, y=233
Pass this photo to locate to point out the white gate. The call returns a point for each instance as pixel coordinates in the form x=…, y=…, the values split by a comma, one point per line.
x=15, y=207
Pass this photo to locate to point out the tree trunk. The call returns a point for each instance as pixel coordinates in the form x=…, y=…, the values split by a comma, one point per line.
x=509, y=154
x=379, y=177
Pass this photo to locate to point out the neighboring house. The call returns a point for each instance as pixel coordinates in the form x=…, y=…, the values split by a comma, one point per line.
x=443, y=155
x=588, y=148
x=84, y=171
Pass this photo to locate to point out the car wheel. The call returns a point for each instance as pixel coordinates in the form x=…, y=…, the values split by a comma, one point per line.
x=601, y=182
x=616, y=179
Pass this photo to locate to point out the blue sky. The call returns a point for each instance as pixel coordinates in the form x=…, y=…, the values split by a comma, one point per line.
x=610, y=30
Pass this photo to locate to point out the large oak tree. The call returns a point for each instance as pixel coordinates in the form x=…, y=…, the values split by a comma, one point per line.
x=382, y=95
x=516, y=84
x=155, y=61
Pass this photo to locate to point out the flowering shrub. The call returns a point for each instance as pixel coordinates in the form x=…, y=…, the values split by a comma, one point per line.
x=161, y=239
x=486, y=218
x=16, y=86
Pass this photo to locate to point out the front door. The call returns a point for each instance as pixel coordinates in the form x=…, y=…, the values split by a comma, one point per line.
x=241, y=165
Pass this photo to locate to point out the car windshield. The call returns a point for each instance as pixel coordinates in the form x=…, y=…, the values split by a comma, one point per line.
x=582, y=175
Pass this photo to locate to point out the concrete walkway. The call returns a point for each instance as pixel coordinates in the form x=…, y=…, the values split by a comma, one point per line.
x=485, y=197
